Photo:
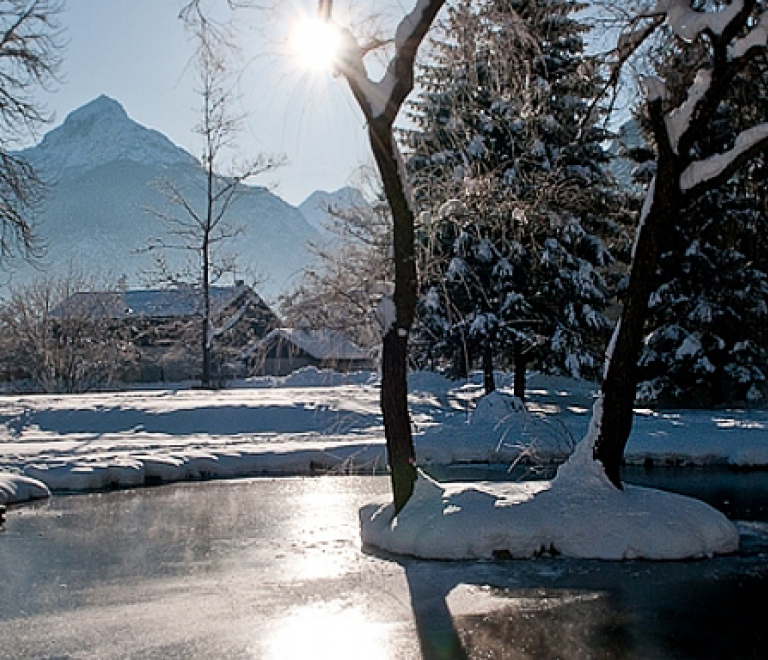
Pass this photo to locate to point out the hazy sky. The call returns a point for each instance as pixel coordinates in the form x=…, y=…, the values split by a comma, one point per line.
x=137, y=52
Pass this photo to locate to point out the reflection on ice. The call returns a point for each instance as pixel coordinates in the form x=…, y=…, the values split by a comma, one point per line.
x=472, y=600
x=326, y=631
x=323, y=524
x=540, y=624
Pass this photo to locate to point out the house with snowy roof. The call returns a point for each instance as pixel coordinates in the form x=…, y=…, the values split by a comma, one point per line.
x=163, y=327
x=284, y=350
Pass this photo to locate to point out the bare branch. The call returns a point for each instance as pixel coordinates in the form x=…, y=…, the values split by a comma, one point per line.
x=29, y=59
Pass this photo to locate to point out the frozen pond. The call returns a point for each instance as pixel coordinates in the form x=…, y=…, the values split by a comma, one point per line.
x=271, y=569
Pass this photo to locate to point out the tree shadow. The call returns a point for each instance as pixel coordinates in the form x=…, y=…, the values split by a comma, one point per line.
x=520, y=620
x=563, y=609
x=214, y=420
x=438, y=636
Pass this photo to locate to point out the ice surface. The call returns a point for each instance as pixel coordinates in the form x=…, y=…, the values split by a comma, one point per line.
x=314, y=421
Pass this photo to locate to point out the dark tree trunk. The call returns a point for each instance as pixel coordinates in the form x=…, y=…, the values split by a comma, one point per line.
x=461, y=360
x=206, y=289
x=520, y=367
x=489, y=383
x=369, y=95
x=205, y=379
x=394, y=367
x=620, y=382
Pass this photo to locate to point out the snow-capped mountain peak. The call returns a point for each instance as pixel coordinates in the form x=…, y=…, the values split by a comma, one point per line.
x=103, y=204
x=101, y=132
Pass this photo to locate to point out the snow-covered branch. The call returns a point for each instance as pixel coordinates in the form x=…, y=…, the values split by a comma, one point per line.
x=728, y=55
x=382, y=100
x=720, y=167
x=678, y=121
x=688, y=23
x=755, y=39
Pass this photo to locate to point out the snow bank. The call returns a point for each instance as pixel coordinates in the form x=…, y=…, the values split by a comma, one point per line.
x=82, y=474
x=17, y=488
x=429, y=381
x=124, y=439
x=313, y=377
x=577, y=514
x=500, y=429
x=591, y=520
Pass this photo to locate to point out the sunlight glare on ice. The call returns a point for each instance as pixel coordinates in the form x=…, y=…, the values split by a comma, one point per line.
x=328, y=631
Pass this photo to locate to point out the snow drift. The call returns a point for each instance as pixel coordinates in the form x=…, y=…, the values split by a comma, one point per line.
x=577, y=514
x=590, y=520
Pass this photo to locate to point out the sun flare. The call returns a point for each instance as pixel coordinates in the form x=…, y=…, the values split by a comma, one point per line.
x=315, y=44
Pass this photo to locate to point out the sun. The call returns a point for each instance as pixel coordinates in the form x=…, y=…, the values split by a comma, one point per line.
x=315, y=44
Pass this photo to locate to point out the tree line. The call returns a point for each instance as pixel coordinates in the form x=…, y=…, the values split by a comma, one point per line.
x=505, y=201
x=526, y=222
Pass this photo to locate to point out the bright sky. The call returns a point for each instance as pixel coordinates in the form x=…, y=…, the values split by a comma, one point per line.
x=138, y=53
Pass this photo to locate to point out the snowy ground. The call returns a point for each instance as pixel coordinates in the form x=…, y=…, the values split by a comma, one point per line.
x=313, y=422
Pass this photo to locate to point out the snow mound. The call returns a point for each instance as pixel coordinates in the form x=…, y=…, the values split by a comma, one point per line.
x=313, y=377
x=499, y=429
x=535, y=518
x=17, y=488
x=496, y=408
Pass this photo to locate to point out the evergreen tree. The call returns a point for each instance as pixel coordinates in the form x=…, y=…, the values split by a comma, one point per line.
x=505, y=132
x=708, y=344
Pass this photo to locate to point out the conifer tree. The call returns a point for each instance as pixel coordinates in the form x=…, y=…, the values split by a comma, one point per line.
x=505, y=132
x=708, y=343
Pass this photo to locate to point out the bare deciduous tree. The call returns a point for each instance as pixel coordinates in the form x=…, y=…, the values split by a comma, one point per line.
x=30, y=49
x=59, y=335
x=342, y=290
x=200, y=220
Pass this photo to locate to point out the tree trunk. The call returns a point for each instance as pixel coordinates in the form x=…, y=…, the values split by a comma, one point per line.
x=394, y=367
x=489, y=384
x=393, y=90
x=520, y=367
x=205, y=379
x=620, y=382
x=206, y=292
x=461, y=359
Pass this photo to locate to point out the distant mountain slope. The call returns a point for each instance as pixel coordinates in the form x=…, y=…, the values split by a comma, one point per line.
x=318, y=206
x=105, y=171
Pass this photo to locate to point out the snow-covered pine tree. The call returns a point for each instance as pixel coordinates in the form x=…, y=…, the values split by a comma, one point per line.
x=504, y=131
x=708, y=343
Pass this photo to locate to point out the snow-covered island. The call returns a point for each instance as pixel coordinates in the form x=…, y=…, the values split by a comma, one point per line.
x=314, y=422
x=579, y=513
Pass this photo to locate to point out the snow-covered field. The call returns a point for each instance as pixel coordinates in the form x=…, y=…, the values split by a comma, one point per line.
x=313, y=422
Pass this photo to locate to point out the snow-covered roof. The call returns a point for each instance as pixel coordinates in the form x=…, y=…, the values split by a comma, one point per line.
x=149, y=303
x=320, y=344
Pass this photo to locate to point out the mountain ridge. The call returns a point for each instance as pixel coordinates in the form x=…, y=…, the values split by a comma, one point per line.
x=100, y=132
x=102, y=206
